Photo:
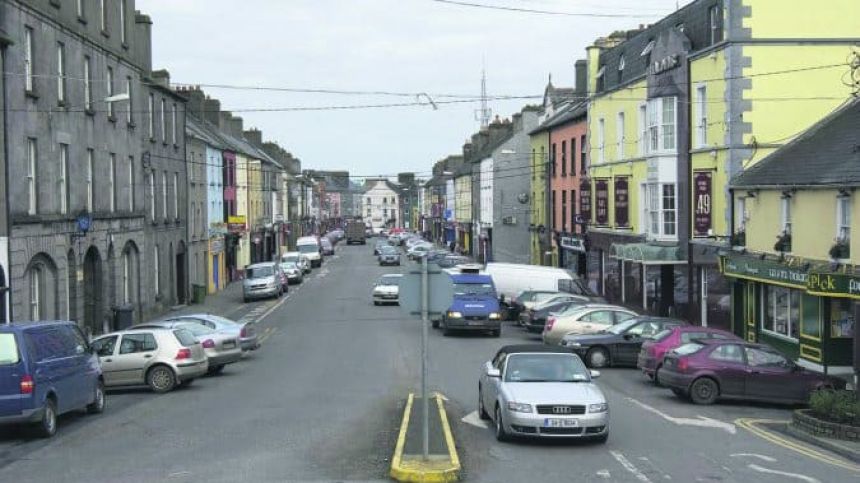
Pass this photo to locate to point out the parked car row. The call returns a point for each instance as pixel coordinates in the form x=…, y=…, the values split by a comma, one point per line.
x=49, y=368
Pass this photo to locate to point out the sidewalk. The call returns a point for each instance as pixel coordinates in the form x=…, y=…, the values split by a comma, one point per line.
x=225, y=303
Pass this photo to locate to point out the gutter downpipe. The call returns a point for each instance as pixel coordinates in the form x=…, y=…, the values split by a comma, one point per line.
x=7, y=295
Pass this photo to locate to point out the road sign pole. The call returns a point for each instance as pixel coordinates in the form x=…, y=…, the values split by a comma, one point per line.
x=426, y=407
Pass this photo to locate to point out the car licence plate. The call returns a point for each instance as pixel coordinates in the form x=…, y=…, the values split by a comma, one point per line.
x=560, y=423
x=229, y=345
x=474, y=322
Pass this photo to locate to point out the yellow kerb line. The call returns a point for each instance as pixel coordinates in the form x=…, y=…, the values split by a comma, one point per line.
x=750, y=425
x=449, y=438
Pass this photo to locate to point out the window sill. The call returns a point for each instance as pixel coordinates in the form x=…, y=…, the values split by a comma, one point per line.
x=90, y=112
x=105, y=34
x=31, y=93
x=82, y=20
x=130, y=124
x=112, y=119
x=152, y=140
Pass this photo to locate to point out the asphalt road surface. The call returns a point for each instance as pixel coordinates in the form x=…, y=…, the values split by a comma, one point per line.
x=320, y=401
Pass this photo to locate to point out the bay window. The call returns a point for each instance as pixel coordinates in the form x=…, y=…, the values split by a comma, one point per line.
x=660, y=210
x=662, y=125
x=843, y=218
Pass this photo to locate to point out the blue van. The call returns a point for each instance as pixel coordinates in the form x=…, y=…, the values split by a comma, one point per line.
x=47, y=369
x=475, y=306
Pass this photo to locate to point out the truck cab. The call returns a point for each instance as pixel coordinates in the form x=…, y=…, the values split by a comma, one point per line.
x=475, y=306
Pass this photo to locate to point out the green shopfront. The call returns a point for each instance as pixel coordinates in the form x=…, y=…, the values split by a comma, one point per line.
x=802, y=309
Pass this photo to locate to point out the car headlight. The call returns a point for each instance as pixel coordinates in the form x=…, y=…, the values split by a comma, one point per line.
x=494, y=316
x=454, y=315
x=519, y=407
x=598, y=408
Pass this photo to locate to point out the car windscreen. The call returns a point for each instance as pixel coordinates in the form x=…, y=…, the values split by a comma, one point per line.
x=388, y=250
x=185, y=337
x=545, y=368
x=623, y=326
x=308, y=248
x=258, y=272
x=8, y=350
x=197, y=329
x=688, y=349
x=474, y=289
x=223, y=320
x=389, y=281
x=290, y=258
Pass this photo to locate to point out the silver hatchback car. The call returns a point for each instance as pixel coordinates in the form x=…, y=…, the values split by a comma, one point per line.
x=539, y=391
x=158, y=357
x=221, y=349
x=262, y=280
x=246, y=332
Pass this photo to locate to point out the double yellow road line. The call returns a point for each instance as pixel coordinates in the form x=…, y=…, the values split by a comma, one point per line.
x=752, y=425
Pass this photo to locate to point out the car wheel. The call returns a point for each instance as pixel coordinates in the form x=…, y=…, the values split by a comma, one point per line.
x=98, y=404
x=216, y=369
x=656, y=378
x=482, y=411
x=597, y=357
x=501, y=432
x=47, y=426
x=161, y=379
x=704, y=391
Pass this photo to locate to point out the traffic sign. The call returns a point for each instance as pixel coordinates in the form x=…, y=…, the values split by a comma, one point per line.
x=440, y=291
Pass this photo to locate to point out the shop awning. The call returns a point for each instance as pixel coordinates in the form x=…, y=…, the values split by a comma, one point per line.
x=647, y=253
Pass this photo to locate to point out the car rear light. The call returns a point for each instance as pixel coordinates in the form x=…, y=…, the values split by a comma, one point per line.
x=550, y=321
x=184, y=353
x=27, y=384
x=244, y=332
x=683, y=364
x=208, y=344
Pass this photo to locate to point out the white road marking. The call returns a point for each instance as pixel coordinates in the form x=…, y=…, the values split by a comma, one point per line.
x=701, y=422
x=654, y=467
x=179, y=474
x=769, y=459
x=805, y=478
x=604, y=474
x=473, y=419
x=440, y=396
x=630, y=467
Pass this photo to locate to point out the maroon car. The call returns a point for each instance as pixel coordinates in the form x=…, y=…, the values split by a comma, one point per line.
x=652, y=351
x=709, y=369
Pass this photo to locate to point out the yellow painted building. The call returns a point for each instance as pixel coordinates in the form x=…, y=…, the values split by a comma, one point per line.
x=709, y=100
x=538, y=201
x=463, y=206
x=243, y=252
x=793, y=264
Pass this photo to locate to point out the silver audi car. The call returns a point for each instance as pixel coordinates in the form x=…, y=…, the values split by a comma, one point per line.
x=542, y=391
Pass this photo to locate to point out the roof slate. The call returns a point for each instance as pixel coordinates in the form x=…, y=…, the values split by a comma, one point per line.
x=827, y=154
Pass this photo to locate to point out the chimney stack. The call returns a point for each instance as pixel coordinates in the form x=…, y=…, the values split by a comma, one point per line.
x=581, y=70
x=212, y=112
x=254, y=136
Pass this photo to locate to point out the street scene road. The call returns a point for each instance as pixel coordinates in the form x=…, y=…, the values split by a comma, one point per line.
x=322, y=397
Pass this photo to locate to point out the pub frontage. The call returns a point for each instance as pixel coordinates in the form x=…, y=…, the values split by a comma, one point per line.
x=803, y=309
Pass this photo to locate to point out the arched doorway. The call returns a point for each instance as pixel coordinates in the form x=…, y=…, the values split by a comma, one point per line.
x=93, y=292
x=180, y=273
x=41, y=289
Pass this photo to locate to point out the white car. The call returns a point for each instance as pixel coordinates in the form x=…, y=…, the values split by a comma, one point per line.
x=386, y=290
x=299, y=259
x=416, y=252
x=310, y=247
x=539, y=391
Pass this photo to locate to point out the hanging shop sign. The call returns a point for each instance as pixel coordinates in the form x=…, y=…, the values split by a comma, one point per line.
x=216, y=245
x=585, y=201
x=622, y=203
x=572, y=243
x=236, y=224
x=702, y=219
x=601, y=201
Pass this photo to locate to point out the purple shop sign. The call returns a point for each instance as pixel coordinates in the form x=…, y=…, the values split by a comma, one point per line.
x=622, y=203
x=702, y=206
x=601, y=201
x=585, y=200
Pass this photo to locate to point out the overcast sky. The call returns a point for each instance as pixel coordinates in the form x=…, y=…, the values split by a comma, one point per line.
x=407, y=46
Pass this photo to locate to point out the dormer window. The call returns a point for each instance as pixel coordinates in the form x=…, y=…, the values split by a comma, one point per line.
x=620, y=68
x=647, y=50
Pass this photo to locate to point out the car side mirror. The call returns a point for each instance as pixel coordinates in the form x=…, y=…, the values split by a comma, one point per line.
x=493, y=372
x=595, y=374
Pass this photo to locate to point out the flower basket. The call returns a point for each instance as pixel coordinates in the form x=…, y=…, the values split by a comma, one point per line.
x=783, y=243
x=840, y=250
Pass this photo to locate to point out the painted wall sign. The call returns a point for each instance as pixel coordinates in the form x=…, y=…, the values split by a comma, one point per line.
x=664, y=64
x=834, y=285
x=601, y=202
x=622, y=203
x=236, y=224
x=585, y=200
x=765, y=270
x=702, y=184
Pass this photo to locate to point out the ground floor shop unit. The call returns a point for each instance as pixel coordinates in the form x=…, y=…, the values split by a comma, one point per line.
x=799, y=307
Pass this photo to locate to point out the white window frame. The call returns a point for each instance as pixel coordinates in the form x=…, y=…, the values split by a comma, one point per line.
x=666, y=218
x=151, y=111
x=713, y=14
x=131, y=183
x=29, y=78
x=112, y=181
x=122, y=20
x=661, y=127
x=126, y=277
x=156, y=270
x=619, y=135
x=63, y=179
x=61, y=72
x=36, y=283
x=103, y=16
x=151, y=181
x=601, y=139
x=164, y=194
x=89, y=178
x=175, y=196
x=741, y=214
x=770, y=300
x=88, y=83
x=643, y=129
x=32, y=177
x=128, y=88
x=701, y=115
x=785, y=214
x=163, y=120
x=657, y=216
x=110, y=91
x=173, y=124
x=79, y=8
x=843, y=218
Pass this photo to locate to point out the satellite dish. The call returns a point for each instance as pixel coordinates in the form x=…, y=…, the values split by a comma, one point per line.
x=523, y=198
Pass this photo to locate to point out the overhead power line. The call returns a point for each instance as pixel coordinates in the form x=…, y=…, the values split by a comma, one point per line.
x=545, y=12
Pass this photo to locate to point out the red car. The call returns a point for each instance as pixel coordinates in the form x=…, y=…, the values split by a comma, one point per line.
x=709, y=369
x=652, y=352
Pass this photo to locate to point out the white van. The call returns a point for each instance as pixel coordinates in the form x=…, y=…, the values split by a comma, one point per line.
x=511, y=279
x=310, y=247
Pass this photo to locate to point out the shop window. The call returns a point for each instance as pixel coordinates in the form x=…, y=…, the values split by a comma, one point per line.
x=841, y=318
x=781, y=311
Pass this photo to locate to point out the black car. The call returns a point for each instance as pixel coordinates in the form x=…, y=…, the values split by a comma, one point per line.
x=620, y=344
